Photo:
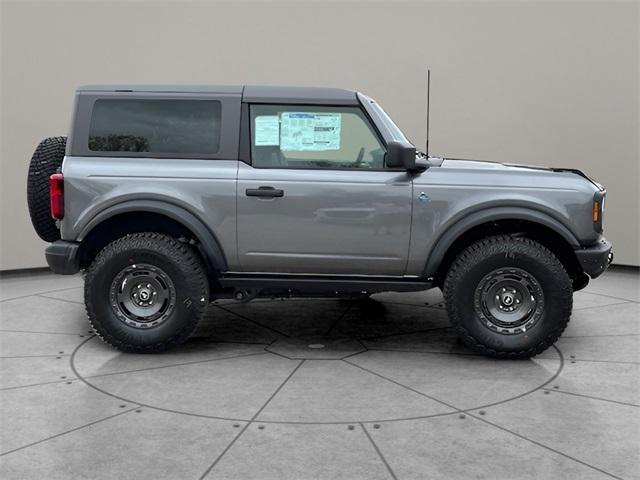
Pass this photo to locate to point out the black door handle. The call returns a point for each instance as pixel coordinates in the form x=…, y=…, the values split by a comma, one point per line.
x=264, y=192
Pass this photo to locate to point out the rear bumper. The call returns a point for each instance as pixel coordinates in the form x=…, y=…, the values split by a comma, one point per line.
x=62, y=257
x=595, y=259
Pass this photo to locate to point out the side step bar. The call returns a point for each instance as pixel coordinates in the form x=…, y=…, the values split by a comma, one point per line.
x=323, y=283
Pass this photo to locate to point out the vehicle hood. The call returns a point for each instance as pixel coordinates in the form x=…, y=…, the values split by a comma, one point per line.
x=489, y=165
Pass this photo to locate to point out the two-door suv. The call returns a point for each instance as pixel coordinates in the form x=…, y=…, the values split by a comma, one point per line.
x=170, y=196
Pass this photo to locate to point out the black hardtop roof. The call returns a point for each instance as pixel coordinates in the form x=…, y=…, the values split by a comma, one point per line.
x=250, y=93
x=273, y=94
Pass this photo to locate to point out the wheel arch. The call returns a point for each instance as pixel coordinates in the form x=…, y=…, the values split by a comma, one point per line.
x=150, y=215
x=527, y=222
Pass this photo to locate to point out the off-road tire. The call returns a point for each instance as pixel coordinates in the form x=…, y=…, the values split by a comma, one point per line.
x=184, y=269
x=46, y=160
x=487, y=255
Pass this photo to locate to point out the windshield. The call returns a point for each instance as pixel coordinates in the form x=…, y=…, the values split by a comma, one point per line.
x=393, y=128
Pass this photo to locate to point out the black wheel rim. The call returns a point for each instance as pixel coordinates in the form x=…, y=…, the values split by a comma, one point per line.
x=142, y=296
x=509, y=300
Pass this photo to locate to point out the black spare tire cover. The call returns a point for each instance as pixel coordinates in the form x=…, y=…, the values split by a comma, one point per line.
x=46, y=160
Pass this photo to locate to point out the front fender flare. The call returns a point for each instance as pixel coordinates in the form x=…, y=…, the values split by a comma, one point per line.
x=209, y=244
x=474, y=219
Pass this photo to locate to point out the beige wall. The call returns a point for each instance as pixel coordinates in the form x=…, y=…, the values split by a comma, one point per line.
x=532, y=82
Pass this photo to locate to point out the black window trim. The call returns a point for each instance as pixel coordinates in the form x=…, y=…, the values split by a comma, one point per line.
x=247, y=135
x=150, y=152
x=229, y=125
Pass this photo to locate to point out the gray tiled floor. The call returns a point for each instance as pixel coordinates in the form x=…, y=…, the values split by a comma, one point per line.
x=392, y=394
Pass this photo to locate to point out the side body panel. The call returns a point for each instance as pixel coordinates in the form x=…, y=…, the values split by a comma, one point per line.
x=484, y=191
x=99, y=184
x=205, y=188
x=327, y=222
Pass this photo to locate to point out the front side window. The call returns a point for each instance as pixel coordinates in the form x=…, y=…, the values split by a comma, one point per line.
x=293, y=136
x=155, y=126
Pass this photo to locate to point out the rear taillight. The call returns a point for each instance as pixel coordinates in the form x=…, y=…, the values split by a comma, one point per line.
x=56, y=195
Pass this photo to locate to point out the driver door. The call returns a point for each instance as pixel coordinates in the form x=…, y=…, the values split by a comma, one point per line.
x=317, y=199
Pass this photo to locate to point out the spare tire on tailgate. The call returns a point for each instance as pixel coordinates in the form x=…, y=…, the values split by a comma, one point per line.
x=46, y=160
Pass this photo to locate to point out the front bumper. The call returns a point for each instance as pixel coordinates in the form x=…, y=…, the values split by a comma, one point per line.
x=62, y=257
x=595, y=259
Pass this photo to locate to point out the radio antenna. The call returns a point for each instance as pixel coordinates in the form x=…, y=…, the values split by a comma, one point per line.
x=428, y=103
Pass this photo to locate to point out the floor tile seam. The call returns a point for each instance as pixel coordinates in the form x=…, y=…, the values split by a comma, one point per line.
x=251, y=421
x=66, y=432
x=604, y=335
x=20, y=297
x=317, y=359
x=355, y=354
x=592, y=397
x=379, y=452
x=433, y=307
x=352, y=422
x=38, y=293
x=611, y=296
x=37, y=356
x=533, y=390
x=625, y=302
x=620, y=362
x=460, y=410
x=542, y=445
x=371, y=372
x=30, y=385
x=40, y=332
x=240, y=343
x=278, y=390
x=428, y=352
x=194, y=362
x=42, y=295
x=426, y=330
x=340, y=317
x=224, y=452
x=266, y=327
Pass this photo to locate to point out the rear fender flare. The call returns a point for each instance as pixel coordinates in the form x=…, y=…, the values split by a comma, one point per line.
x=209, y=244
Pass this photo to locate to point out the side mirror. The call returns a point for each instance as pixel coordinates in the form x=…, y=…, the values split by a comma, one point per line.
x=400, y=155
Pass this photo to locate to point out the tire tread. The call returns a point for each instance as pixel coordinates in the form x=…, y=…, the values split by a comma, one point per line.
x=479, y=251
x=186, y=259
x=46, y=160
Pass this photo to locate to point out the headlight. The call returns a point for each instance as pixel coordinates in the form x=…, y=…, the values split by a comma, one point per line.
x=598, y=209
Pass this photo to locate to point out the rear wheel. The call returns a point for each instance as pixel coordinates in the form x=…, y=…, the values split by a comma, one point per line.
x=146, y=292
x=508, y=297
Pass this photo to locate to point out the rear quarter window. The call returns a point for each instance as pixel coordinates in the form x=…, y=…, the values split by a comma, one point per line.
x=155, y=126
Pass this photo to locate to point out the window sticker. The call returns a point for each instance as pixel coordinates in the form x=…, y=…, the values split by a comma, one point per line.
x=301, y=131
x=267, y=130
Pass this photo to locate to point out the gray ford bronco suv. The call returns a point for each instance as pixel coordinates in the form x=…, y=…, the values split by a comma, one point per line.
x=169, y=197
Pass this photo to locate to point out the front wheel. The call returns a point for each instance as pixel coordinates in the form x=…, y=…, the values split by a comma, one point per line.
x=508, y=297
x=146, y=292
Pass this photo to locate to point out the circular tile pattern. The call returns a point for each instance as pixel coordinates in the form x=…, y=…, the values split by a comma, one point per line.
x=314, y=362
x=50, y=413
